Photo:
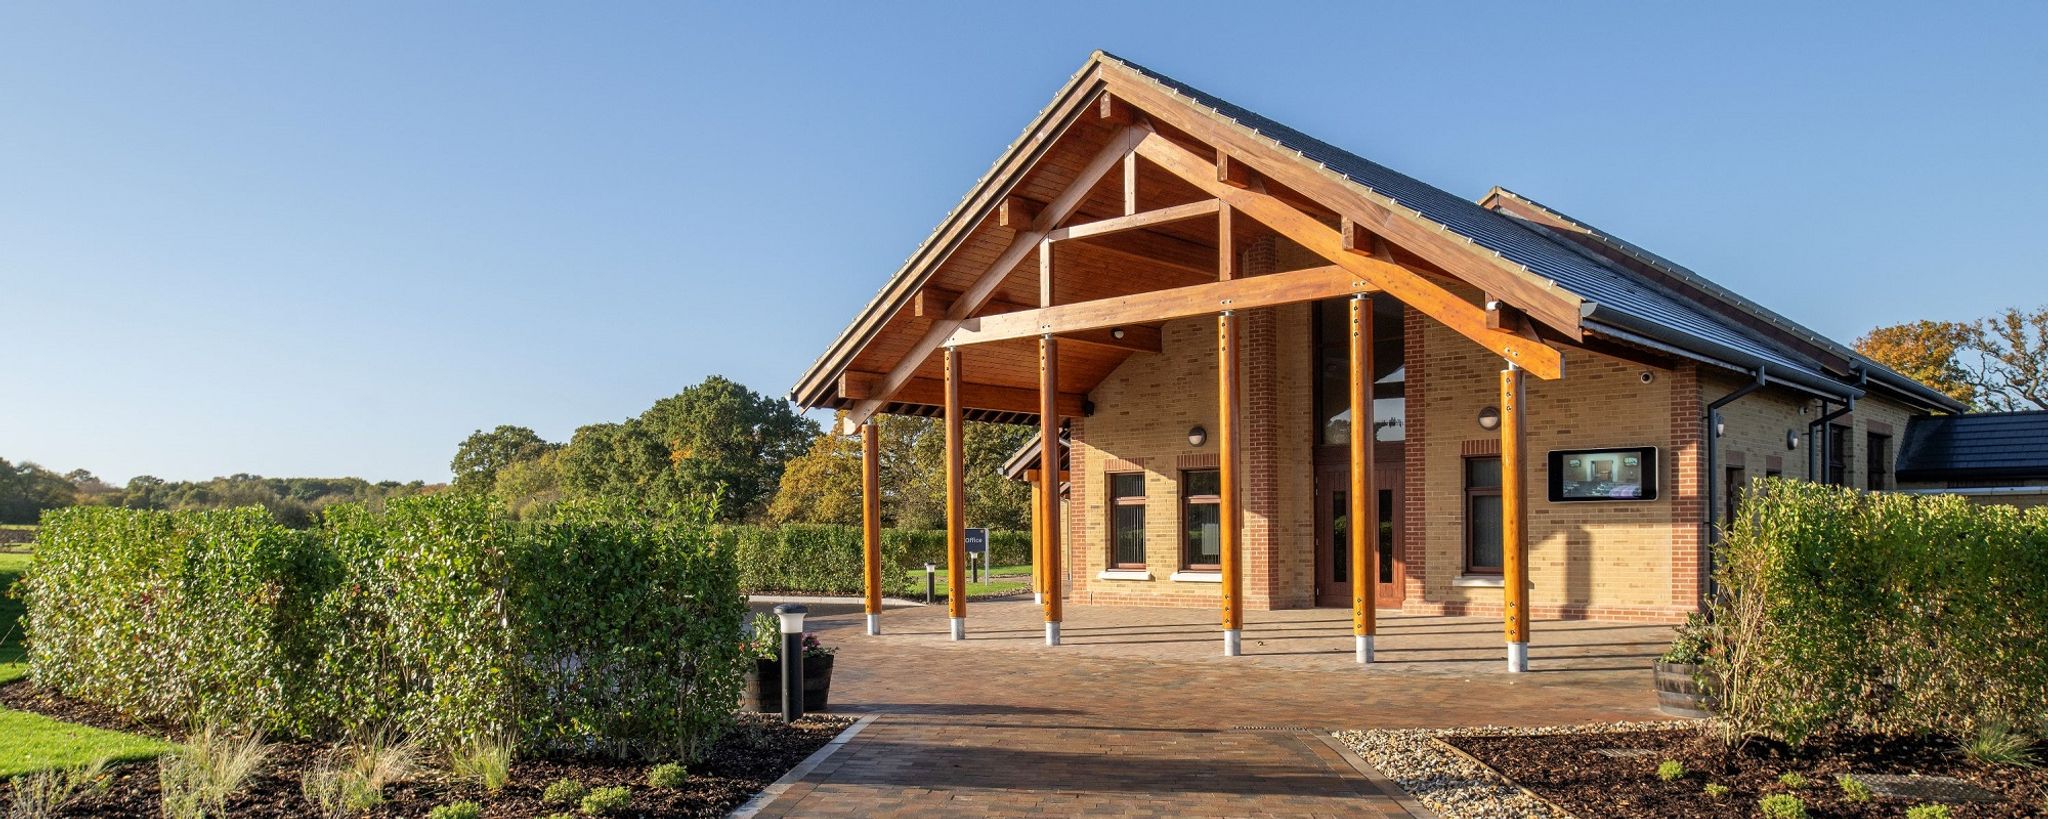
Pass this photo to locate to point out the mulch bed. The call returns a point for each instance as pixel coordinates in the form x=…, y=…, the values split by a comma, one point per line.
x=751, y=757
x=1566, y=770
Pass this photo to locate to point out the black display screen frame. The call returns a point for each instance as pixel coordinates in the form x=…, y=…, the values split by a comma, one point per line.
x=1648, y=464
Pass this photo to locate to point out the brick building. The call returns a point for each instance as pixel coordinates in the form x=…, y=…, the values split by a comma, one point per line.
x=1250, y=338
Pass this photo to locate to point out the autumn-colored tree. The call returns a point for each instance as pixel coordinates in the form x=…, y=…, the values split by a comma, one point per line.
x=2007, y=357
x=1926, y=351
x=823, y=485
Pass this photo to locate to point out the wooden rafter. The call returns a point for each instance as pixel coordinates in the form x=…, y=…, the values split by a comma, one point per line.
x=1545, y=302
x=975, y=395
x=1136, y=221
x=1400, y=282
x=991, y=277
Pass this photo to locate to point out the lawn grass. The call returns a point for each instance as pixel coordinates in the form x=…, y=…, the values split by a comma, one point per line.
x=35, y=742
x=1002, y=579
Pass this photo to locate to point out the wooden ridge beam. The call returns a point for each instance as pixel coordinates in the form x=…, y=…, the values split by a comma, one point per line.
x=991, y=277
x=861, y=386
x=1546, y=302
x=1163, y=305
x=1136, y=221
x=1400, y=282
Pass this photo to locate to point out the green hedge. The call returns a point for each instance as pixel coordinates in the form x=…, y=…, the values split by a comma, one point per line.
x=1884, y=612
x=595, y=633
x=826, y=559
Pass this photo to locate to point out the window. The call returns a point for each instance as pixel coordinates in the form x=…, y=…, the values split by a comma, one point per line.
x=1732, y=492
x=1838, y=455
x=1127, y=520
x=1482, y=516
x=1878, y=461
x=1333, y=372
x=1201, y=519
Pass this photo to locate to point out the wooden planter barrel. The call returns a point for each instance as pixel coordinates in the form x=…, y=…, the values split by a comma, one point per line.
x=763, y=693
x=1680, y=691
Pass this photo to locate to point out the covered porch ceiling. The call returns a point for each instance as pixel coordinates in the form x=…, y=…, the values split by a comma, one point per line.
x=1125, y=206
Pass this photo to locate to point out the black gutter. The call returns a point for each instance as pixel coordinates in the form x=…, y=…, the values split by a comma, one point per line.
x=1616, y=322
x=1713, y=422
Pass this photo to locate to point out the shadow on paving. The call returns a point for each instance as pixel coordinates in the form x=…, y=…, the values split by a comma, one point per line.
x=1256, y=765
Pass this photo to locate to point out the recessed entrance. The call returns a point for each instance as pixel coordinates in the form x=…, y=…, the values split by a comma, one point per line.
x=1333, y=544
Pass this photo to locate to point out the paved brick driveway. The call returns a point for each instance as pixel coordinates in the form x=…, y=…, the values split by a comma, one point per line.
x=1139, y=716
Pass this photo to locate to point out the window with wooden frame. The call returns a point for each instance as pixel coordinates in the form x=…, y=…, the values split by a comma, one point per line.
x=1483, y=515
x=1201, y=520
x=1838, y=455
x=1127, y=520
x=1877, y=454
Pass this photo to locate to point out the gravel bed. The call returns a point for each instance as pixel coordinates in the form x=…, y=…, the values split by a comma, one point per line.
x=1454, y=786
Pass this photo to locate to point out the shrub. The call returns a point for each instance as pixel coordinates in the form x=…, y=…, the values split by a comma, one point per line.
x=603, y=801
x=598, y=632
x=668, y=775
x=563, y=792
x=1781, y=806
x=1689, y=644
x=1715, y=790
x=1929, y=811
x=1995, y=743
x=39, y=795
x=485, y=760
x=1878, y=612
x=827, y=559
x=456, y=810
x=1854, y=790
x=1671, y=770
x=1792, y=779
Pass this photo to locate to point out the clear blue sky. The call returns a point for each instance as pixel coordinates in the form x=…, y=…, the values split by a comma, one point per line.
x=333, y=239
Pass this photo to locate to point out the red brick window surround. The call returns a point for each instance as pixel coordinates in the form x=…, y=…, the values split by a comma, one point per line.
x=1482, y=515
x=1127, y=520
x=1201, y=520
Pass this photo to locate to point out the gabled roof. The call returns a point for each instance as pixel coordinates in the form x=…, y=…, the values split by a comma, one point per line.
x=1614, y=301
x=1979, y=446
x=1026, y=458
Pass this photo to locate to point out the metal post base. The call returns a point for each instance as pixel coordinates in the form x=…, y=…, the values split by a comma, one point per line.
x=959, y=628
x=1233, y=640
x=1518, y=657
x=1052, y=634
x=874, y=624
x=1365, y=649
x=1038, y=598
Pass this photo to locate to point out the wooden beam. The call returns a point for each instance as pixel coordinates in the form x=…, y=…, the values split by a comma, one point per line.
x=1514, y=520
x=1037, y=535
x=859, y=386
x=1357, y=239
x=1017, y=212
x=1048, y=481
x=1545, y=301
x=956, y=498
x=1130, y=184
x=1232, y=172
x=871, y=522
x=1032, y=475
x=934, y=302
x=1229, y=511
x=1400, y=282
x=1312, y=284
x=991, y=277
x=1364, y=501
x=1112, y=111
x=1226, y=244
x=1136, y=338
x=1136, y=221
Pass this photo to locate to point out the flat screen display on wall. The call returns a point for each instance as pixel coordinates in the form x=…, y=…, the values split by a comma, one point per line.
x=1624, y=474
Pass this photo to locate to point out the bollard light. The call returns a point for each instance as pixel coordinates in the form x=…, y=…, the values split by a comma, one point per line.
x=931, y=582
x=792, y=617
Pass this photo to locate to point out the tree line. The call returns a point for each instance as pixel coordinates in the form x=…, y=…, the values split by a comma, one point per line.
x=1998, y=363
x=26, y=489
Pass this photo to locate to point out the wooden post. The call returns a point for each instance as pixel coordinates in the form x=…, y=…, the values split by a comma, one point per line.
x=1514, y=520
x=1364, y=512
x=1049, y=481
x=1037, y=537
x=1229, y=512
x=871, y=520
x=956, y=501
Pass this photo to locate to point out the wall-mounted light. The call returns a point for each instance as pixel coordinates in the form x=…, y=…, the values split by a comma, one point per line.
x=1116, y=333
x=1791, y=439
x=1197, y=436
x=1489, y=418
x=1720, y=425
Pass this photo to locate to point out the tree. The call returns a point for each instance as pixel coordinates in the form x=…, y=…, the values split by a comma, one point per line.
x=481, y=455
x=532, y=487
x=2008, y=360
x=27, y=489
x=729, y=442
x=1925, y=351
x=823, y=485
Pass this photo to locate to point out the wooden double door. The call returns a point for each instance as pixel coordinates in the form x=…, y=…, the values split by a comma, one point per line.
x=1333, y=529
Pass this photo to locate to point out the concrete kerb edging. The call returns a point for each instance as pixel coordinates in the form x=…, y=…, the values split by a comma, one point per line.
x=1392, y=789
x=769, y=794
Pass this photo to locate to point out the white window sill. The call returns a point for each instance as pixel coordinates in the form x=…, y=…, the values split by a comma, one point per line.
x=1125, y=574
x=1483, y=581
x=1197, y=577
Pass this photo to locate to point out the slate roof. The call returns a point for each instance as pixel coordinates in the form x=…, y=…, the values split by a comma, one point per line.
x=1980, y=446
x=1623, y=300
